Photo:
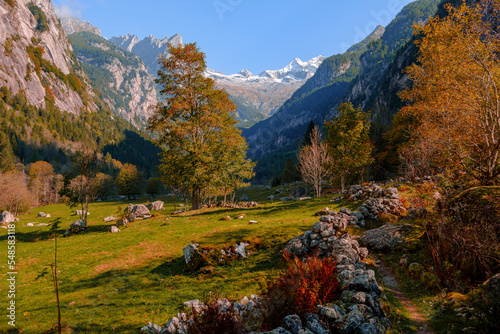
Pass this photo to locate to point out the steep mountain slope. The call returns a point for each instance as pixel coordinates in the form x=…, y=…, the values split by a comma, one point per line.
x=148, y=49
x=353, y=77
x=72, y=25
x=267, y=91
x=37, y=59
x=48, y=107
x=120, y=77
x=310, y=102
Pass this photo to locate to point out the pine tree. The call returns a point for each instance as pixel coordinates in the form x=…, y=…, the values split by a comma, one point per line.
x=307, y=137
x=195, y=127
x=290, y=173
x=6, y=154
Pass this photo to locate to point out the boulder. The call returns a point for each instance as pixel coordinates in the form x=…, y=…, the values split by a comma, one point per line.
x=387, y=237
x=292, y=323
x=244, y=198
x=158, y=205
x=240, y=249
x=6, y=218
x=42, y=215
x=122, y=222
x=77, y=226
x=114, y=229
x=137, y=211
x=194, y=259
x=299, y=192
x=253, y=222
x=109, y=219
x=315, y=325
x=271, y=197
x=30, y=224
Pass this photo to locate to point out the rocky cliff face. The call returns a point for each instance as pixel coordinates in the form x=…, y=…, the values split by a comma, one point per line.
x=73, y=25
x=121, y=77
x=36, y=57
x=148, y=49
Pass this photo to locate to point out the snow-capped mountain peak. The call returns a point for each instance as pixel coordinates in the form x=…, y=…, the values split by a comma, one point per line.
x=296, y=70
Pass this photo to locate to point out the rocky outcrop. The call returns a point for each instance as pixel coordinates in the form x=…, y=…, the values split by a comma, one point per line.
x=24, y=41
x=73, y=25
x=77, y=226
x=197, y=257
x=121, y=77
x=387, y=237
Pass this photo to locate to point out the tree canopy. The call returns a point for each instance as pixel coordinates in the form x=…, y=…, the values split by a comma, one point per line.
x=195, y=128
x=348, y=142
x=455, y=93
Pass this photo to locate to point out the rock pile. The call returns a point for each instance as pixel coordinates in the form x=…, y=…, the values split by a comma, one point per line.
x=241, y=205
x=387, y=237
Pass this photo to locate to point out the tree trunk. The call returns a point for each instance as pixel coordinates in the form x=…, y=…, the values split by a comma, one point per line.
x=196, y=198
x=342, y=182
x=225, y=196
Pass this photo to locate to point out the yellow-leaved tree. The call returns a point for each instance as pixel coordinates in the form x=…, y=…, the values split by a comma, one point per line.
x=455, y=92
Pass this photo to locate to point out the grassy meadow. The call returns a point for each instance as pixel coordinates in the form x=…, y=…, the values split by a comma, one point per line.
x=116, y=283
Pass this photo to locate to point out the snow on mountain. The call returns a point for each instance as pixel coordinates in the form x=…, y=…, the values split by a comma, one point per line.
x=297, y=70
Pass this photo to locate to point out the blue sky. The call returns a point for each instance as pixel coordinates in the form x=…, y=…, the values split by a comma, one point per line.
x=236, y=34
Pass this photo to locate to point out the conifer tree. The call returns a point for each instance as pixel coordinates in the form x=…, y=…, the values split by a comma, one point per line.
x=307, y=137
x=195, y=127
x=6, y=154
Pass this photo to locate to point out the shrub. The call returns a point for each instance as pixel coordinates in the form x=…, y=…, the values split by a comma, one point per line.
x=466, y=240
x=211, y=321
x=303, y=286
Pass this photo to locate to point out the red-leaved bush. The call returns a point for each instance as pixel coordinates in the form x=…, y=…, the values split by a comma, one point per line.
x=303, y=286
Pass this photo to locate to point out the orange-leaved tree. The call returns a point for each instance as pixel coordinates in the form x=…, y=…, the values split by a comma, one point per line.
x=455, y=91
x=195, y=128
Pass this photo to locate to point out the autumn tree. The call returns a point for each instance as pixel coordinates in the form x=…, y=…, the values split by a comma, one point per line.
x=41, y=181
x=313, y=159
x=194, y=126
x=129, y=181
x=455, y=91
x=153, y=186
x=349, y=147
x=14, y=194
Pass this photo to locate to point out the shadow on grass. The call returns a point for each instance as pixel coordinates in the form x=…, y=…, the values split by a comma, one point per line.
x=46, y=234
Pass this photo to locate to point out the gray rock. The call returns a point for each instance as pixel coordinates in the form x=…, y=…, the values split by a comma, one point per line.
x=367, y=328
x=244, y=198
x=48, y=215
x=114, y=229
x=81, y=213
x=292, y=323
x=351, y=322
x=386, y=237
x=333, y=314
x=346, y=211
x=109, y=219
x=137, y=211
x=6, y=218
x=271, y=197
x=253, y=222
x=299, y=192
x=30, y=224
x=151, y=328
x=296, y=247
x=158, y=205
x=77, y=226
x=42, y=224
x=240, y=249
x=42, y=215
x=122, y=222
x=195, y=305
x=315, y=325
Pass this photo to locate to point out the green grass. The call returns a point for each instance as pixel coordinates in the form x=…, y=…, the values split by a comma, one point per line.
x=116, y=283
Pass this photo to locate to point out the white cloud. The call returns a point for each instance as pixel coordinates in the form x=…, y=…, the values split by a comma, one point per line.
x=69, y=8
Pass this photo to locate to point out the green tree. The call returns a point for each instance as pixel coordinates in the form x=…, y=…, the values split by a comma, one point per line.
x=195, y=127
x=347, y=137
x=290, y=172
x=129, y=181
x=6, y=153
x=307, y=137
x=153, y=186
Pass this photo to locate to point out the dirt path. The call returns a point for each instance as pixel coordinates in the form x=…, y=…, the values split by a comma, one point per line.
x=391, y=283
